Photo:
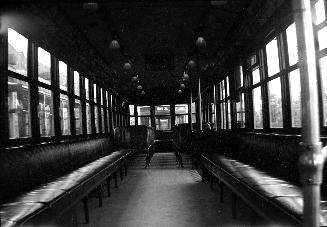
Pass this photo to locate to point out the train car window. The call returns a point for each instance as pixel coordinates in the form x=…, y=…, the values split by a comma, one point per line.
x=222, y=115
x=78, y=117
x=131, y=114
x=87, y=89
x=257, y=108
x=76, y=83
x=96, y=119
x=275, y=103
x=292, y=49
x=144, y=115
x=193, y=109
x=95, y=93
x=101, y=96
x=88, y=119
x=44, y=66
x=322, y=38
x=227, y=86
x=17, y=52
x=240, y=112
x=272, y=57
x=45, y=112
x=323, y=73
x=295, y=97
x=18, y=109
x=162, y=117
x=181, y=114
x=64, y=115
x=229, y=119
x=241, y=76
x=62, y=76
x=255, y=75
x=320, y=11
x=102, y=120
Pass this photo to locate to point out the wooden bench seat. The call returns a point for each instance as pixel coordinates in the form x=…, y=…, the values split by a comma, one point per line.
x=49, y=200
x=274, y=199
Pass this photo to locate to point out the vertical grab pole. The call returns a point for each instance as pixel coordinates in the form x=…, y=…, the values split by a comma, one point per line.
x=311, y=159
x=199, y=113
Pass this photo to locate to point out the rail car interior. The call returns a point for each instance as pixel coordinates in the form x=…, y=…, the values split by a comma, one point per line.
x=163, y=113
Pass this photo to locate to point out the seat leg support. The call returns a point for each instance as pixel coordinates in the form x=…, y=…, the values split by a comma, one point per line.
x=234, y=199
x=221, y=187
x=121, y=173
x=99, y=190
x=108, y=186
x=86, y=209
x=211, y=181
x=115, y=177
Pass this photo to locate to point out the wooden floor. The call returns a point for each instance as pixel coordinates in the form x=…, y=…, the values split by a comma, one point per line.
x=163, y=195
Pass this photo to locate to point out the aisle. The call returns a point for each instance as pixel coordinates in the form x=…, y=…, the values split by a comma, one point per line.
x=164, y=197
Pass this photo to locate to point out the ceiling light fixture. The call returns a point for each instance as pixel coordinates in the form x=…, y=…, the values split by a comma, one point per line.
x=139, y=87
x=127, y=66
x=135, y=79
x=114, y=44
x=186, y=76
x=200, y=42
x=182, y=85
x=143, y=92
x=90, y=5
x=191, y=63
x=179, y=91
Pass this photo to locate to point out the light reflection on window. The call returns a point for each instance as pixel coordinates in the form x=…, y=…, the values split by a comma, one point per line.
x=44, y=66
x=322, y=38
x=64, y=115
x=88, y=119
x=272, y=57
x=323, y=73
x=45, y=112
x=17, y=52
x=256, y=75
x=76, y=83
x=62, y=76
x=275, y=103
x=78, y=117
x=292, y=44
x=87, y=89
x=295, y=93
x=320, y=11
x=257, y=108
x=18, y=109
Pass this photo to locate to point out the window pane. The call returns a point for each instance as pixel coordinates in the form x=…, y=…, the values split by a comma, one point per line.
x=95, y=93
x=322, y=38
x=45, y=112
x=162, y=110
x=227, y=86
x=107, y=100
x=88, y=119
x=256, y=76
x=181, y=109
x=193, y=107
x=101, y=95
x=17, y=52
x=292, y=44
x=108, y=120
x=222, y=116
x=320, y=11
x=131, y=109
x=229, y=115
x=257, y=108
x=323, y=73
x=163, y=123
x=62, y=76
x=18, y=109
x=193, y=118
x=96, y=119
x=295, y=93
x=78, y=117
x=102, y=120
x=272, y=57
x=144, y=121
x=87, y=89
x=64, y=115
x=181, y=119
x=241, y=75
x=143, y=110
x=222, y=89
x=275, y=104
x=132, y=121
x=240, y=112
x=76, y=83
x=44, y=66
